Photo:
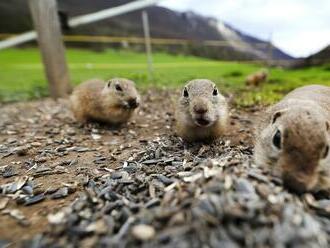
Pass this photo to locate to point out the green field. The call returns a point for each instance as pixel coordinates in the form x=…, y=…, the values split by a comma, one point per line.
x=22, y=76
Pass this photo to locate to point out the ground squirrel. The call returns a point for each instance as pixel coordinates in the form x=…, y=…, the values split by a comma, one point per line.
x=293, y=139
x=112, y=102
x=257, y=78
x=201, y=112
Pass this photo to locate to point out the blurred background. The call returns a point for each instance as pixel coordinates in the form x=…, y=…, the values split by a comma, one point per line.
x=166, y=43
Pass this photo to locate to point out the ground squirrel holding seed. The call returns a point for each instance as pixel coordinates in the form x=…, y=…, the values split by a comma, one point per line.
x=293, y=139
x=201, y=112
x=257, y=78
x=112, y=102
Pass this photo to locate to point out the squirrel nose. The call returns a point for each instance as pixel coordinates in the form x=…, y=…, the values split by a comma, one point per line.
x=133, y=103
x=293, y=184
x=200, y=109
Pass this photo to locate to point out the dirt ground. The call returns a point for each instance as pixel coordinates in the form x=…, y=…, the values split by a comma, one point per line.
x=42, y=141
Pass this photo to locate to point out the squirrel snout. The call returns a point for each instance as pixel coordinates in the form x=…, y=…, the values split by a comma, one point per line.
x=296, y=184
x=200, y=109
x=133, y=103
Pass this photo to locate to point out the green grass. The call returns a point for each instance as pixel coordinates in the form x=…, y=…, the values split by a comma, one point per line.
x=22, y=76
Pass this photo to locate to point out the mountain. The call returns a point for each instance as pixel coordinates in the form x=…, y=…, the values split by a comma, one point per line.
x=319, y=58
x=248, y=44
x=164, y=23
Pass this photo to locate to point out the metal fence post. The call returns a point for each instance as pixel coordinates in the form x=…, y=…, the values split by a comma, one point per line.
x=146, y=31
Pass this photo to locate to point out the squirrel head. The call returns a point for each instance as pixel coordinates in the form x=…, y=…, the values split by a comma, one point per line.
x=295, y=143
x=122, y=93
x=202, y=103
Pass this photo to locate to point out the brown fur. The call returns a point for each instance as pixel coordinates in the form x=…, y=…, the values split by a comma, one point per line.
x=257, y=78
x=96, y=100
x=188, y=112
x=302, y=118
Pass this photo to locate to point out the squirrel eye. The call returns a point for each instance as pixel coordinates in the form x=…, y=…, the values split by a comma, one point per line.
x=325, y=152
x=118, y=88
x=185, y=92
x=215, y=92
x=277, y=139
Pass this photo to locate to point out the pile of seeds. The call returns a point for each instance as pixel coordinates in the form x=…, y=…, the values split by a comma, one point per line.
x=176, y=196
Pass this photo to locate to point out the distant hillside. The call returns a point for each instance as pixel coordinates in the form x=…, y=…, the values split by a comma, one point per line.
x=319, y=58
x=165, y=23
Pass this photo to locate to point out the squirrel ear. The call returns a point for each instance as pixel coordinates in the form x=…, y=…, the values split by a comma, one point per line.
x=276, y=116
x=327, y=125
x=185, y=92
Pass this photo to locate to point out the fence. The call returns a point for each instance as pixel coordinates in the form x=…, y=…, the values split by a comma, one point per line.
x=48, y=31
x=141, y=40
x=168, y=42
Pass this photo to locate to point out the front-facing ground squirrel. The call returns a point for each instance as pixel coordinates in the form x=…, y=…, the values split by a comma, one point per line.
x=201, y=112
x=112, y=102
x=293, y=139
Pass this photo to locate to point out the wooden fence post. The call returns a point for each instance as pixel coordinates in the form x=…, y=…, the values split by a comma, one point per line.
x=46, y=23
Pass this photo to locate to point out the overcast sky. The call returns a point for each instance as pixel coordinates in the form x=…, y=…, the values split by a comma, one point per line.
x=299, y=27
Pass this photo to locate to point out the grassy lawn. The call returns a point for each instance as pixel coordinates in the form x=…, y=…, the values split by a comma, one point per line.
x=22, y=76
